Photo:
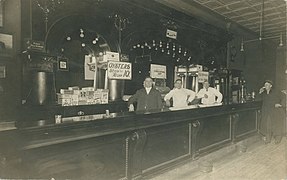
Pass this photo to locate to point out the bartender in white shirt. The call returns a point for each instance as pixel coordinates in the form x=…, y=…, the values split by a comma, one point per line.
x=180, y=96
x=209, y=95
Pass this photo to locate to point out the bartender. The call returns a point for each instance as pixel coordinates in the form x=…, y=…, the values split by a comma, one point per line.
x=147, y=98
x=209, y=95
x=180, y=96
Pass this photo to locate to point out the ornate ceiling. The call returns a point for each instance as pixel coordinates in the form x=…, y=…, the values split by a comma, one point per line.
x=265, y=17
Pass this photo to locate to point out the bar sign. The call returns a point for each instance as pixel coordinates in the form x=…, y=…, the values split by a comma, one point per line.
x=171, y=34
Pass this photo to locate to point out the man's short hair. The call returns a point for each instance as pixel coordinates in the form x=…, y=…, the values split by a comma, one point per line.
x=178, y=80
x=268, y=81
x=148, y=77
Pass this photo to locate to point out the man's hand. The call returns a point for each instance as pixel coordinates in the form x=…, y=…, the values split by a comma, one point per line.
x=131, y=107
x=167, y=103
x=278, y=105
x=261, y=90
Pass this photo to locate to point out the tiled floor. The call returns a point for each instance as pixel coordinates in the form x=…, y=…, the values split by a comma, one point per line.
x=259, y=162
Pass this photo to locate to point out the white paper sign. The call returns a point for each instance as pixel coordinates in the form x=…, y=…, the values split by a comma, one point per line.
x=89, y=67
x=199, y=67
x=171, y=34
x=158, y=71
x=202, y=76
x=111, y=56
x=119, y=70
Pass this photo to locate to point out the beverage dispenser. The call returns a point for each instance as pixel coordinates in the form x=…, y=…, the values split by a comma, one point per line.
x=38, y=79
x=188, y=75
x=101, y=80
x=181, y=73
x=193, y=78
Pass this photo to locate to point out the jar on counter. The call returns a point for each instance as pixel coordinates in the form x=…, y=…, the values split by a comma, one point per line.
x=58, y=119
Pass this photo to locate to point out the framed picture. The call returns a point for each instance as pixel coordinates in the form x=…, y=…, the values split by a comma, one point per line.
x=6, y=42
x=63, y=64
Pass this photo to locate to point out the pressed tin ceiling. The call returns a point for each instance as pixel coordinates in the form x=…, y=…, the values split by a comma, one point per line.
x=265, y=17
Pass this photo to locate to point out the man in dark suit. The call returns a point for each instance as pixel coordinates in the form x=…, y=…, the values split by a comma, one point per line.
x=273, y=113
x=147, y=99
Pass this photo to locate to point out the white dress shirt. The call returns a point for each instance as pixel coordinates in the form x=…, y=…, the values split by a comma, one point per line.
x=148, y=90
x=211, y=93
x=180, y=97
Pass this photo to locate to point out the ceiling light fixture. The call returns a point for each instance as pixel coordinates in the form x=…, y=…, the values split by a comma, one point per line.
x=47, y=6
x=261, y=35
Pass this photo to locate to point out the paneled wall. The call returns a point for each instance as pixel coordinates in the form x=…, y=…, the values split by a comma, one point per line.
x=10, y=63
x=257, y=62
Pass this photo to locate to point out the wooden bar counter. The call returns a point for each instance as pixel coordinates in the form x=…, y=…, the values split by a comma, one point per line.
x=125, y=145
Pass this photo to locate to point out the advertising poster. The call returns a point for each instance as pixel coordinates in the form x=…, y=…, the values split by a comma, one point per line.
x=119, y=70
x=157, y=71
x=89, y=67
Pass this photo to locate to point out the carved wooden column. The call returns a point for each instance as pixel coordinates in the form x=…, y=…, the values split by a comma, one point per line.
x=196, y=127
x=134, y=151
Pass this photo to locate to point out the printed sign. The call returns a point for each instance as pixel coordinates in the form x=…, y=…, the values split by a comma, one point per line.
x=171, y=34
x=90, y=64
x=35, y=45
x=202, y=76
x=158, y=71
x=111, y=56
x=199, y=67
x=119, y=70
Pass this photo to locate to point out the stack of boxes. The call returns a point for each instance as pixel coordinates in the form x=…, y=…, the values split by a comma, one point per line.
x=73, y=96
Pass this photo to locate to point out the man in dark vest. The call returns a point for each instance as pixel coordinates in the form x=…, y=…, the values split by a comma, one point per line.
x=147, y=99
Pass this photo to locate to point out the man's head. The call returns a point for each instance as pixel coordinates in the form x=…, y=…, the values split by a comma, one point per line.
x=178, y=83
x=148, y=82
x=268, y=84
x=205, y=84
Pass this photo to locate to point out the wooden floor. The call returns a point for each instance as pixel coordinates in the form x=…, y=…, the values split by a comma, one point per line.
x=259, y=162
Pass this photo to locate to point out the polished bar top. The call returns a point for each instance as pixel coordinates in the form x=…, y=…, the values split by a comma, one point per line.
x=47, y=132
x=206, y=110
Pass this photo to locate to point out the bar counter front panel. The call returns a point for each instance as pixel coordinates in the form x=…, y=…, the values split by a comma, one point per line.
x=126, y=145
